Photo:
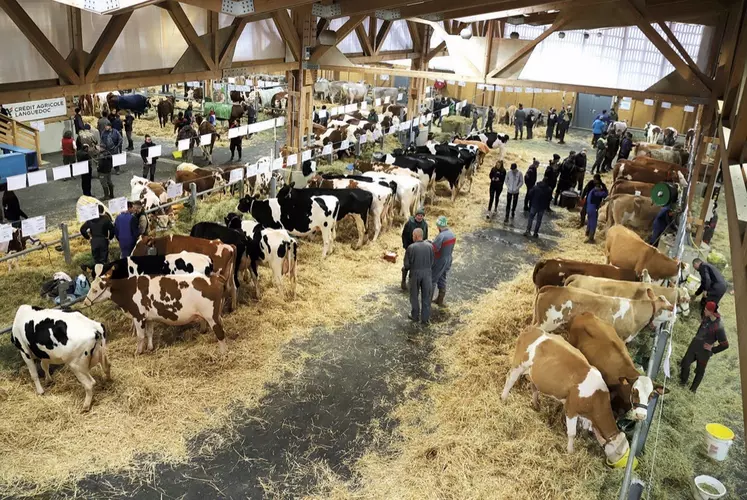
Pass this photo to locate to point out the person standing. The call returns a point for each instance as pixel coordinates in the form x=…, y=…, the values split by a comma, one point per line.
x=613, y=115
x=552, y=119
x=124, y=231
x=78, y=121
x=235, y=142
x=552, y=172
x=187, y=132
x=475, y=117
x=709, y=340
x=111, y=142
x=561, y=119
x=580, y=169
x=613, y=143
x=419, y=259
x=530, y=179
x=662, y=221
x=540, y=197
x=593, y=201
x=443, y=248
x=712, y=283
x=567, y=176
x=415, y=222
x=211, y=117
x=519, y=117
x=605, y=118
x=128, y=129
x=101, y=125
x=82, y=154
x=149, y=164
x=597, y=128
x=626, y=146
x=564, y=125
x=530, y=124
x=117, y=127
x=188, y=113
x=587, y=189
x=99, y=231
x=139, y=219
x=514, y=181
x=4, y=111
x=711, y=226
x=497, y=179
x=601, y=150
x=490, y=118
x=68, y=148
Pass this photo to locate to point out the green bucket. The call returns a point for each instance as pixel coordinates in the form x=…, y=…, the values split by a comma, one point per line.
x=664, y=194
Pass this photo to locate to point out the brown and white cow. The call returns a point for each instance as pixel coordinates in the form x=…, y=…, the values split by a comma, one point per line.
x=222, y=255
x=651, y=171
x=622, y=186
x=173, y=300
x=555, y=271
x=631, y=211
x=631, y=290
x=556, y=368
x=627, y=250
x=603, y=349
x=204, y=179
x=555, y=306
x=670, y=154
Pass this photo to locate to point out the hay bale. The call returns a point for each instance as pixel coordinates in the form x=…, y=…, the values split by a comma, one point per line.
x=717, y=259
x=441, y=137
x=456, y=124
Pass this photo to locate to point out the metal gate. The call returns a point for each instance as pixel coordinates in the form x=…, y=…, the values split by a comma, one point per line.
x=588, y=107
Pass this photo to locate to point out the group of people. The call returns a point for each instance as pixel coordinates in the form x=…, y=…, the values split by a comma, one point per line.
x=557, y=123
x=427, y=262
x=489, y=119
x=127, y=228
x=609, y=144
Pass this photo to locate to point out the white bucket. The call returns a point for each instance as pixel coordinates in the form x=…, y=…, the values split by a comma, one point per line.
x=700, y=494
x=718, y=448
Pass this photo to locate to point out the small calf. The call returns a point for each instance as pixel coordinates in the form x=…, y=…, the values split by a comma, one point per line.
x=57, y=337
x=557, y=369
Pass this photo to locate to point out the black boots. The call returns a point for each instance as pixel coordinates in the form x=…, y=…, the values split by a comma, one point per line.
x=403, y=285
x=441, y=296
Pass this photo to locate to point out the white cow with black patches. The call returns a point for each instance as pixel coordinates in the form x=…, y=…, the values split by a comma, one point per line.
x=57, y=337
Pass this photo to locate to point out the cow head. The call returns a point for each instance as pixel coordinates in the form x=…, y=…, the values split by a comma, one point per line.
x=233, y=220
x=683, y=300
x=100, y=290
x=663, y=311
x=639, y=391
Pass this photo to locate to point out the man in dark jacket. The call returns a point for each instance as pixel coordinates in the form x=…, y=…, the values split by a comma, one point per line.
x=601, y=151
x=662, y=221
x=593, y=201
x=703, y=346
x=78, y=121
x=111, y=142
x=128, y=129
x=149, y=164
x=124, y=231
x=419, y=259
x=567, y=176
x=490, y=118
x=540, y=197
x=497, y=179
x=530, y=123
x=415, y=222
x=82, y=154
x=613, y=143
x=552, y=119
x=711, y=282
x=139, y=219
x=101, y=124
x=626, y=146
x=187, y=132
x=519, y=118
x=587, y=189
x=99, y=231
x=580, y=169
x=530, y=179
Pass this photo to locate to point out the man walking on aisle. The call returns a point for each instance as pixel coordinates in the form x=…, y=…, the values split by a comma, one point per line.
x=703, y=346
x=418, y=261
x=415, y=222
x=514, y=181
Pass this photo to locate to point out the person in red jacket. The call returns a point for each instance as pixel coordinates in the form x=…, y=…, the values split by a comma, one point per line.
x=68, y=148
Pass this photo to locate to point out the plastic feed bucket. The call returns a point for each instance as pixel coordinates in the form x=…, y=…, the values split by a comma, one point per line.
x=719, y=439
x=712, y=484
x=620, y=464
x=177, y=154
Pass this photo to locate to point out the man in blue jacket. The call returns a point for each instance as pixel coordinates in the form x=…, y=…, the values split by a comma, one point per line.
x=123, y=231
x=597, y=128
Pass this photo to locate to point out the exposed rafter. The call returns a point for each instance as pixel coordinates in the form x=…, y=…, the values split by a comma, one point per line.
x=288, y=32
x=414, y=28
x=528, y=48
x=75, y=29
x=383, y=32
x=688, y=60
x=349, y=26
x=188, y=32
x=365, y=42
x=104, y=44
x=321, y=25
x=435, y=50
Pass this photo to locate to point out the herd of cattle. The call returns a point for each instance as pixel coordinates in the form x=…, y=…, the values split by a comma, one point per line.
x=179, y=279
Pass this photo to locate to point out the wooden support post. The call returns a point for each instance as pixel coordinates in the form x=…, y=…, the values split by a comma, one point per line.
x=301, y=81
x=76, y=41
x=701, y=222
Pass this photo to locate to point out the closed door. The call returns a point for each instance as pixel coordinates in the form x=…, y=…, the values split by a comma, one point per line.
x=402, y=82
x=588, y=107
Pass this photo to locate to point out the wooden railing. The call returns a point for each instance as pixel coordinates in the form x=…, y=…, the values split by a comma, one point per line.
x=19, y=134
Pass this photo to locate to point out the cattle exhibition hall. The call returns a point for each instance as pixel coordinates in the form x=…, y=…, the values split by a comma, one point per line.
x=394, y=249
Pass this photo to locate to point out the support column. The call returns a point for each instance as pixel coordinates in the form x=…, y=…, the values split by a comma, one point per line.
x=301, y=83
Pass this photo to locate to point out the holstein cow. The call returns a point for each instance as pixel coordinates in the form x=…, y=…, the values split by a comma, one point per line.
x=55, y=337
x=634, y=212
x=165, y=109
x=626, y=249
x=156, y=265
x=222, y=256
x=603, y=349
x=173, y=300
x=272, y=248
x=407, y=186
x=424, y=169
x=653, y=132
x=300, y=215
x=555, y=306
x=689, y=138
x=493, y=140
x=631, y=290
x=623, y=186
x=555, y=271
x=557, y=369
x=451, y=168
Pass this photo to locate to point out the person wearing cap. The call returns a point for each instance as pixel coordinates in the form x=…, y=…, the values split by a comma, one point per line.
x=663, y=220
x=540, y=198
x=419, y=258
x=99, y=232
x=593, y=200
x=580, y=160
x=443, y=247
x=710, y=340
x=587, y=189
x=712, y=282
x=139, y=220
x=514, y=181
x=416, y=222
x=626, y=146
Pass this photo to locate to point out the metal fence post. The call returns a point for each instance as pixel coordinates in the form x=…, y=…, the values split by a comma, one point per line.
x=358, y=148
x=273, y=187
x=193, y=196
x=62, y=292
x=66, y=243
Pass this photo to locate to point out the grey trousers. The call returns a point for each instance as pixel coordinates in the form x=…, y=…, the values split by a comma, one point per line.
x=420, y=284
x=106, y=184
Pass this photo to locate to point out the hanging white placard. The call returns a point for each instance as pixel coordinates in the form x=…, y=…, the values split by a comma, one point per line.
x=400, y=96
x=118, y=205
x=88, y=212
x=480, y=86
x=351, y=108
x=155, y=151
x=264, y=167
x=306, y=155
x=648, y=102
x=498, y=88
x=80, y=168
x=233, y=132
x=279, y=122
x=322, y=113
x=119, y=159
x=292, y=160
x=231, y=79
x=35, y=225
x=62, y=172
x=6, y=232
x=16, y=182
x=205, y=139
x=377, y=135
x=450, y=82
x=363, y=139
x=344, y=144
x=490, y=88
x=174, y=190
x=38, y=177
x=384, y=77
x=251, y=170
x=405, y=125
x=666, y=105
x=689, y=109
x=416, y=122
x=327, y=149
x=182, y=145
x=364, y=106
x=509, y=89
x=235, y=175
x=444, y=111
x=277, y=163
x=462, y=84
x=394, y=129
x=387, y=99
x=625, y=105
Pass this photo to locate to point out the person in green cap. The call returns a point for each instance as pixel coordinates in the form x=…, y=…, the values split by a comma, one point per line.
x=416, y=222
x=443, y=247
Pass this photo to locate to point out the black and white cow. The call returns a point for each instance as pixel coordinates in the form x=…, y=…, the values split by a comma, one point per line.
x=156, y=265
x=464, y=152
x=274, y=248
x=300, y=215
x=214, y=231
x=56, y=337
x=426, y=170
x=493, y=140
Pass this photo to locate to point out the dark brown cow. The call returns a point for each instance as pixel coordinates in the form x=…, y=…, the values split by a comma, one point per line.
x=205, y=127
x=165, y=110
x=644, y=169
x=237, y=112
x=631, y=187
x=198, y=94
x=204, y=179
x=555, y=271
x=236, y=96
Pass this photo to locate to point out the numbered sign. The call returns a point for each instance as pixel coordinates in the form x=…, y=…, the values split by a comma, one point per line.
x=88, y=212
x=62, y=172
x=350, y=108
x=279, y=122
x=80, y=168
x=386, y=99
x=400, y=96
x=480, y=86
x=182, y=145
x=292, y=160
x=118, y=205
x=236, y=175
x=277, y=163
x=16, y=182
x=666, y=105
x=377, y=102
x=251, y=170
x=155, y=151
x=415, y=122
x=689, y=109
x=345, y=144
x=38, y=177
x=119, y=159
x=174, y=190
x=327, y=150
x=205, y=139
x=363, y=139
x=444, y=111
x=450, y=82
x=322, y=113
x=648, y=102
x=306, y=155
x=34, y=225
x=364, y=106
x=234, y=132
x=6, y=232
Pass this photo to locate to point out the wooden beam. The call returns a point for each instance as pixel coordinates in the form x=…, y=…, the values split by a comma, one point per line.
x=321, y=25
x=386, y=26
x=104, y=44
x=489, y=48
x=559, y=23
x=435, y=50
x=388, y=55
x=213, y=27
x=365, y=42
x=42, y=44
x=503, y=10
x=413, y=28
x=226, y=55
x=288, y=32
x=260, y=6
x=349, y=26
x=182, y=22
x=75, y=29
x=688, y=60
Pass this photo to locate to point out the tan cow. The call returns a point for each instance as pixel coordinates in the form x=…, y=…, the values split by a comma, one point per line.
x=670, y=154
x=630, y=290
x=622, y=186
x=511, y=112
x=634, y=212
x=559, y=370
x=603, y=349
x=648, y=172
x=627, y=250
x=555, y=306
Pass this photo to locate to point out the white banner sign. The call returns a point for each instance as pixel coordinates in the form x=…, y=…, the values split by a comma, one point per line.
x=648, y=102
x=306, y=155
x=6, y=232
x=444, y=111
x=118, y=205
x=235, y=175
x=205, y=139
x=480, y=86
x=119, y=159
x=351, y=108
x=62, y=172
x=689, y=109
x=88, y=212
x=37, y=110
x=490, y=88
x=450, y=82
x=175, y=190
x=385, y=77
x=38, y=177
x=625, y=105
x=462, y=84
x=509, y=89
x=243, y=130
x=327, y=150
x=666, y=105
x=182, y=145
x=292, y=160
x=377, y=102
x=279, y=122
x=345, y=144
x=16, y=182
x=251, y=170
x=155, y=151
x=35, y=225
x=80, y=168
x=277, y=163
x=405, y=125
x=233, y=132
